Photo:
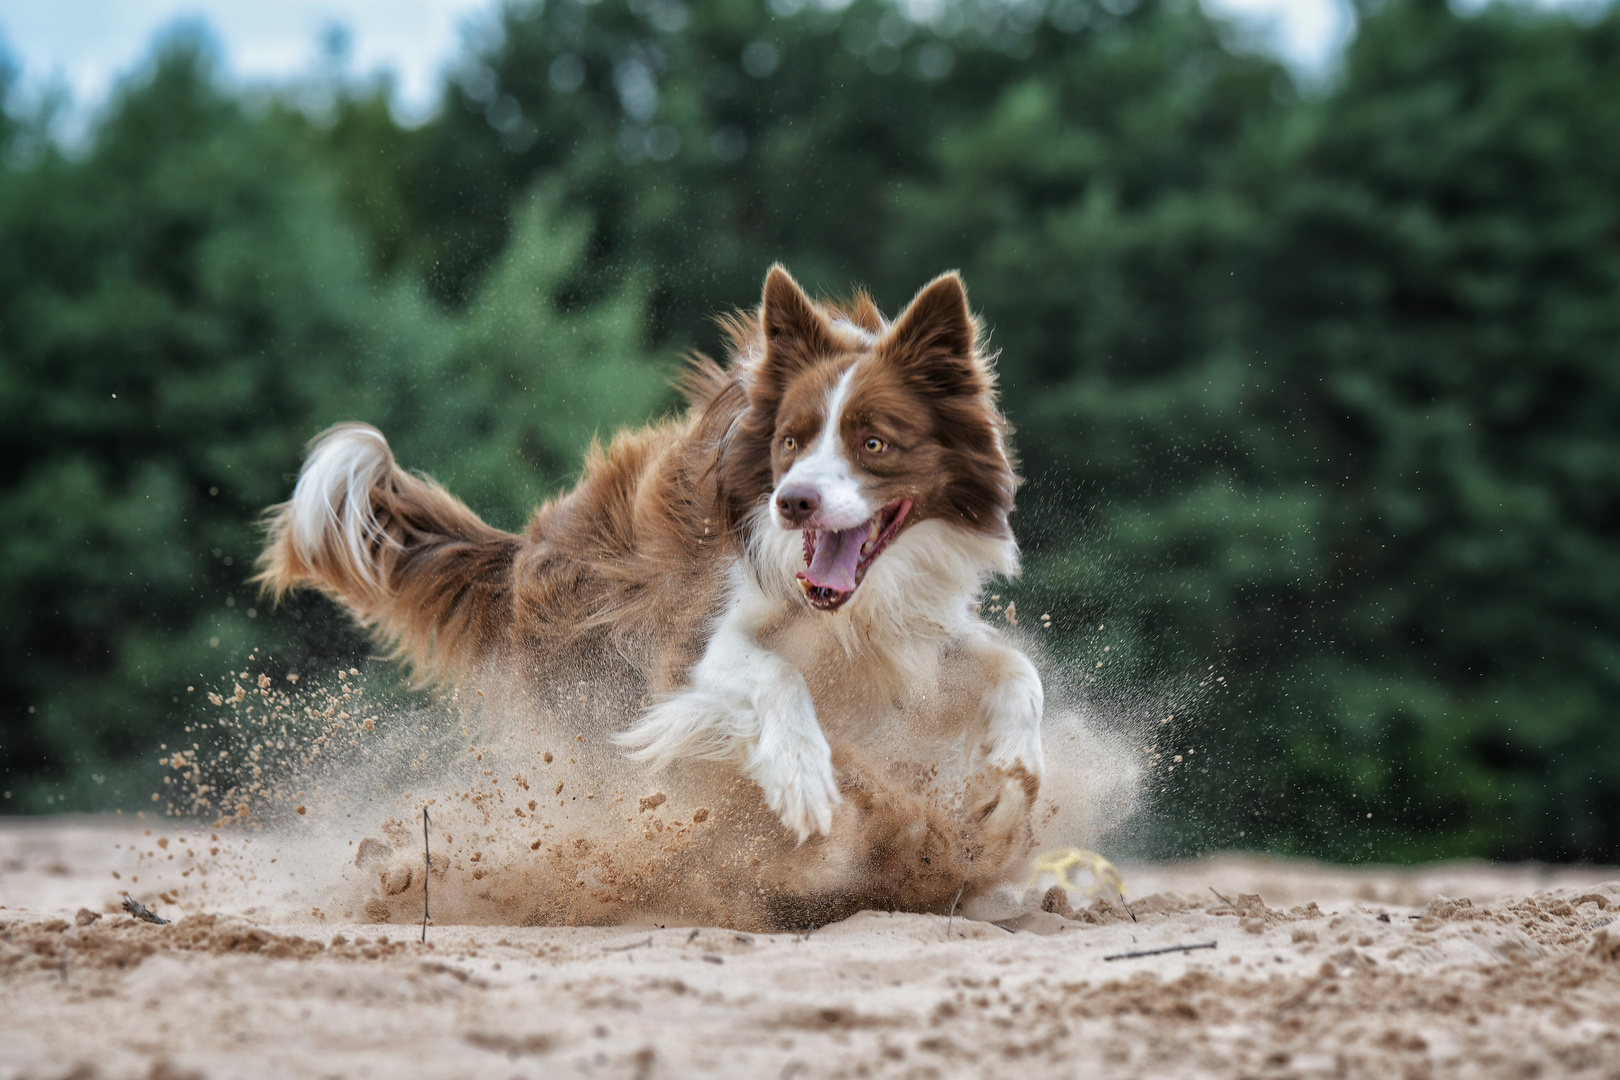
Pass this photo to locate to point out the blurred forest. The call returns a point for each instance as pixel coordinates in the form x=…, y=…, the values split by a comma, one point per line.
x=1318, y=396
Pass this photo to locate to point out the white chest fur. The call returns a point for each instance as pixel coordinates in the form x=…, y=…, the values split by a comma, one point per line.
x=916, y=600
x=775, y=672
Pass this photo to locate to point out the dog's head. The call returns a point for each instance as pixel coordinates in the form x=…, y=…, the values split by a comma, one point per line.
x=860, y=429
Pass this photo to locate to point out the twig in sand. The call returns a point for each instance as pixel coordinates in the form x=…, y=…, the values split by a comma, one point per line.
x=1156, y=952
x=427, y=871
x=142, y=912
x=952, y=916
x=627, y=948
x=1221, y=898
x=809, y=930
x=1127, y=907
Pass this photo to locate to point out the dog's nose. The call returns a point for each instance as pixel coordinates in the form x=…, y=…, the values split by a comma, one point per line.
x=798, y=503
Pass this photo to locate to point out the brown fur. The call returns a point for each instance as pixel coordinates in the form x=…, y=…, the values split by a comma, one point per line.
x=632, y=560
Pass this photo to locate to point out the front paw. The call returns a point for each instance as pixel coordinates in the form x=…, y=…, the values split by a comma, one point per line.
x=1001, y=793
x=1000, y=799
x=794, y=770
x=1012, y=707
x=1020, y=760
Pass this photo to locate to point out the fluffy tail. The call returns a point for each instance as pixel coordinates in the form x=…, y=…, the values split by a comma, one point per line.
x=406, y=558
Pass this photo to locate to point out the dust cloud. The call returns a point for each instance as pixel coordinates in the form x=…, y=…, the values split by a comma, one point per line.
x=317, y=783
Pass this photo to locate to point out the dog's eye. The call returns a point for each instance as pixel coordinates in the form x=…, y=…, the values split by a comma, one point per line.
x=875, y=445
x=790, y=444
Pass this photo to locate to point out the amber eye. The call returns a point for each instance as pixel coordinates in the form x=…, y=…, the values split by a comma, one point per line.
x=876, y=445
x=790, y=444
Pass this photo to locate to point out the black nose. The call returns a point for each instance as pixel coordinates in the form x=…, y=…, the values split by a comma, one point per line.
x=798, y=503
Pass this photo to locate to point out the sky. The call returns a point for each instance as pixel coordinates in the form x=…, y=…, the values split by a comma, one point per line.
x=88, y=45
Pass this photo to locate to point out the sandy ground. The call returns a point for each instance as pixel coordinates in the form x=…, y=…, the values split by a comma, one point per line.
x=1453, y=970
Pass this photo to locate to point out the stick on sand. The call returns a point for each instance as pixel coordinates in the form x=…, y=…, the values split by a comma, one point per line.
x=427, y=869
x=1156, y=952
x=952, y=917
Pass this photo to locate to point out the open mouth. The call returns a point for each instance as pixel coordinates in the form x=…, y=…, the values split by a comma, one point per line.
x=836, y=560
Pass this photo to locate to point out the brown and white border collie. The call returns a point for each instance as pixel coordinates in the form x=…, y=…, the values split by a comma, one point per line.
x=796, y=556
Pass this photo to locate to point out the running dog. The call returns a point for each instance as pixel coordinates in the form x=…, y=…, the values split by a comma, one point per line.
x=800, y=554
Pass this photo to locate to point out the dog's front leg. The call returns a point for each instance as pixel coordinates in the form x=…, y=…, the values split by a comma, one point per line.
x=745, y=702
x=1005, y=742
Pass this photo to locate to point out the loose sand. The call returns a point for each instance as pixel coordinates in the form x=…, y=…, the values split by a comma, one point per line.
x=1454, y=970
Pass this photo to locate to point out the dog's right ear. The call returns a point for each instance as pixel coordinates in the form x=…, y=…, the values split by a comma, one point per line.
x=796, y=333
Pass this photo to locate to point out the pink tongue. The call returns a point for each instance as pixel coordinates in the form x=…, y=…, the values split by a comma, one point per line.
x=837, y=554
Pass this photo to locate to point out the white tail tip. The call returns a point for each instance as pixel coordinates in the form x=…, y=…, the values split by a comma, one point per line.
x=332, y=505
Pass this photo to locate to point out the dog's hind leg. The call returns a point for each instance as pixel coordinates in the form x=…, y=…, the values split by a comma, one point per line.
x=746, y=703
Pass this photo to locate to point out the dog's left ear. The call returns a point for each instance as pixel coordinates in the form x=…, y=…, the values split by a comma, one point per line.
x=935, y=339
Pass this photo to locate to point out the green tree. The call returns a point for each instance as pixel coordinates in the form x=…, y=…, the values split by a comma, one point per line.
x=180, y=310
x=1345, y=408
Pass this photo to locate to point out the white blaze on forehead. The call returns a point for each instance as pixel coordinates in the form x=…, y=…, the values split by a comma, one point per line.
x=825, y=467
